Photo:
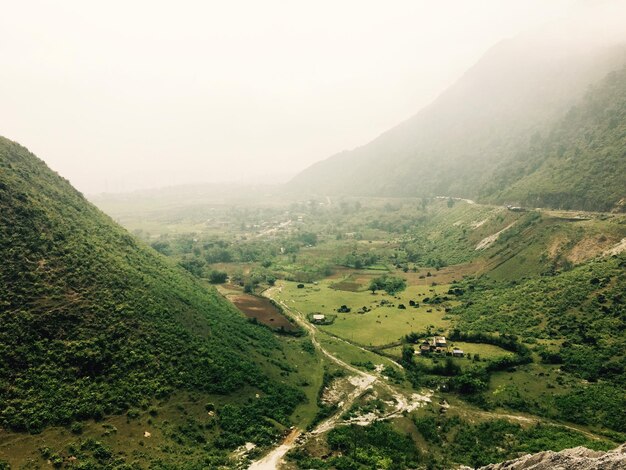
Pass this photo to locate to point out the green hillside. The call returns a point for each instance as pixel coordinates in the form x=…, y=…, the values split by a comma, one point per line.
x=93, y=323
x=495, y=114
x=580, y=163
x=575, y=319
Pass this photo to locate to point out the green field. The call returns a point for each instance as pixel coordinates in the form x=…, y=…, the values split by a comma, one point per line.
x=382, y=325
x=352, y=354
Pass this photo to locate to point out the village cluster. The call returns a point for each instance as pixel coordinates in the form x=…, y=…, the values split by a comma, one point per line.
x=438, y=345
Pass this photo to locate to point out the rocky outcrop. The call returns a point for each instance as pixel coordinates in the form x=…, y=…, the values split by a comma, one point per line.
x=578, y=458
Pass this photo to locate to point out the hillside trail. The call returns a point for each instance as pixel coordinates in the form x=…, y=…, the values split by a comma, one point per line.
x=531, y=420
x=273, y=459
x=361, y=381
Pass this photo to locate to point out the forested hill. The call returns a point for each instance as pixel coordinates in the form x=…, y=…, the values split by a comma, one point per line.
x=91, y=322
x=579, y=164
x=519, y=90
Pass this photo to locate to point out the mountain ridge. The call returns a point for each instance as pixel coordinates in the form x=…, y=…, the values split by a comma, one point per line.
x=451, y=146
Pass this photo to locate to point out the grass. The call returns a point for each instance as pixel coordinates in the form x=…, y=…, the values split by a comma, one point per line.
x=532, y=381
x=308, y=370
x=486, y=351
x=350, y=353
x=382, y=325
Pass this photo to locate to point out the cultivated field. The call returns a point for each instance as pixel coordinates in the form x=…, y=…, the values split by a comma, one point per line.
x=257, y=307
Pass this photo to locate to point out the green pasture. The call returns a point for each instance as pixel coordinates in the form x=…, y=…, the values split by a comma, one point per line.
x=350, y=353
x=382, y=325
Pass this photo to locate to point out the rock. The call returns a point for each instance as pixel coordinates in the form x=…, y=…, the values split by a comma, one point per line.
x=578, y=458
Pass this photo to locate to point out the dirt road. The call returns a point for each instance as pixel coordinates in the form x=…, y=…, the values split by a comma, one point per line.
x=361, y=381
x=273, y=459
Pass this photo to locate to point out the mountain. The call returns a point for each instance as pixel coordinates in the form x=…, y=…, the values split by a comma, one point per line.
x=517, y=91
x=580, y=163
x=92, y=322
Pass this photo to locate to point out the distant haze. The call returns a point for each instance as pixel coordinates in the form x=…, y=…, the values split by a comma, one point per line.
x=117, y=96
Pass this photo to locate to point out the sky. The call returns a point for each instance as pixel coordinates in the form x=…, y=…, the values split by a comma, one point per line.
x=125, y=95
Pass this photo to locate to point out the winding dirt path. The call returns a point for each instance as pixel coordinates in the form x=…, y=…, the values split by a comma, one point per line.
x=361, y=381
x=273, y=459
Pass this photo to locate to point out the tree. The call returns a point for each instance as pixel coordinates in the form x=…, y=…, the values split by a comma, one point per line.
x=308, y=238
x=407, y=354
x=376, y=284
x=394, y=285
x=389, y=284
x=162, y=247
x=217, y=277
x=193, y=265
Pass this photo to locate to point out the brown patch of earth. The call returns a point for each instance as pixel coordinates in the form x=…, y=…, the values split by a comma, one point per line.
x=555, y=246
x=589, y=248
x=444, y=275
x=263, y=310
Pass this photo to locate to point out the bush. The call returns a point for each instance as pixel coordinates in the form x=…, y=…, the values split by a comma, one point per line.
x=76, y=427
x=217, y=277
x=389, y=284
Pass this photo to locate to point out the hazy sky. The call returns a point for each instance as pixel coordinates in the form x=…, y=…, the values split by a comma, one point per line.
x=119, y=95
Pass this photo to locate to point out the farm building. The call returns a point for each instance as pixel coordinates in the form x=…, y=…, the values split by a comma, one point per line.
x=318, y=317
x=456, y=352
x=436, y=344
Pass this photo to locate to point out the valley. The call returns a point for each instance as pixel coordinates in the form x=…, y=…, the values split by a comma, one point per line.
x=444, y=291
x=308, y=333
x=324, y=263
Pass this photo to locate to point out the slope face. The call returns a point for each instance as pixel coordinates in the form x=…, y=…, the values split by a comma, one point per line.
x=580, y=164
x=453, y=146
x=579, y=458
x=92, y=323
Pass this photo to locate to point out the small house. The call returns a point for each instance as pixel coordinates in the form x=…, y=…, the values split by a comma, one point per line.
x=440, y=341
x=318, y=317
x=456, y=352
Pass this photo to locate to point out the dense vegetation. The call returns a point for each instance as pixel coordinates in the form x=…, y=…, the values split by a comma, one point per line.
x=457, y=441
x=340, y=234
x=377, y=446
x=93, y=323
x=582, y=331
x=451, y=441
x=390, y=284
